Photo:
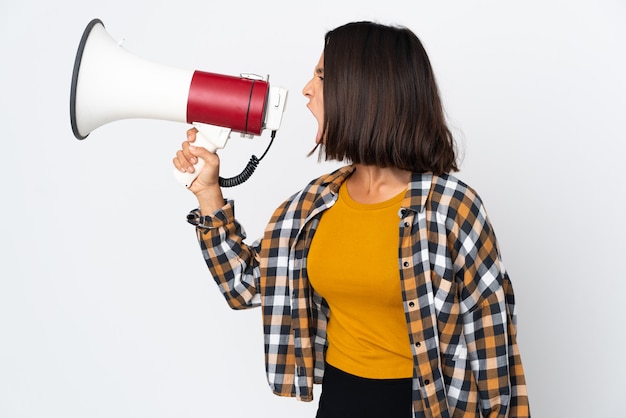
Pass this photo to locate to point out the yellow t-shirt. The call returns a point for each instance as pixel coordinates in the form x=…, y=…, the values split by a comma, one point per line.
x=353, y=264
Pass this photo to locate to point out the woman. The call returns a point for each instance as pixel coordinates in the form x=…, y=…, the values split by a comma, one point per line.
x=382, y=280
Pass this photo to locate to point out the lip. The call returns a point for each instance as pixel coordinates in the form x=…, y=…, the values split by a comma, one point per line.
x=318, y=138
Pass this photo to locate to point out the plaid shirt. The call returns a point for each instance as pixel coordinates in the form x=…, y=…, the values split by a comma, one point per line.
x=458, y=299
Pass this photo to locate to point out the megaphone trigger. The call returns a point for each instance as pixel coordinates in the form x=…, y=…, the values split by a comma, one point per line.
x=210, y=137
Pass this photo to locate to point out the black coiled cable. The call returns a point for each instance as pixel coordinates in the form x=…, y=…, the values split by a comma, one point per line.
x=248, y=170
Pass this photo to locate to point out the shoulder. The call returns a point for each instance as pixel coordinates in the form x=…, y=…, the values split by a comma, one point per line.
x=455, y=200
x=450, y=191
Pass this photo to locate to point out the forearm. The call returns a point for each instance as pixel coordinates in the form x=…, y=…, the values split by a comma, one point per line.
x=489, y=330
x=485, y=331
x=210, y=200
x=233, y=264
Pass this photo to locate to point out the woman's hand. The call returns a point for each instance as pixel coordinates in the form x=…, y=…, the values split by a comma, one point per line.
x=206, y=186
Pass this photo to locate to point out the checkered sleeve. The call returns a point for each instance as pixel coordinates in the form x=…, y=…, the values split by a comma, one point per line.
x=519, y=406
x=233, y=264
x=487, y=310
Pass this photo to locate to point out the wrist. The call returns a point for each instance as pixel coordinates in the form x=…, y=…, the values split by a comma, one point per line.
x=210, y=199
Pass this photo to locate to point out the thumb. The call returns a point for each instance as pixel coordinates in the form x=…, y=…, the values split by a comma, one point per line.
x=202, y=152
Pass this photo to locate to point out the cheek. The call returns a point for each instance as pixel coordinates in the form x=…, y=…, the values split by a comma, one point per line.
x=320, y=107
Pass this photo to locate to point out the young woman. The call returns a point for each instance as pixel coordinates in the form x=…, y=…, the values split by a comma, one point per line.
x=382, y=280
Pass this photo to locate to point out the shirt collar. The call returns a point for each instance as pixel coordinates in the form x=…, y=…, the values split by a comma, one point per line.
x=335, y=179
x=418, y=191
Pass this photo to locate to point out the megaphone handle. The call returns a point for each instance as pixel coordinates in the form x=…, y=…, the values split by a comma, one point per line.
x=210, y=137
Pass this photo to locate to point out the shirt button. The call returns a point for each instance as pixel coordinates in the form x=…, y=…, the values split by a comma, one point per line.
x=407, y=224
x=418, y=344
x=411, y=304
x=406, y=264
x=427, y=382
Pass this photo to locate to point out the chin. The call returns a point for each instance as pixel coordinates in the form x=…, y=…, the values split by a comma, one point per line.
x=318, y=138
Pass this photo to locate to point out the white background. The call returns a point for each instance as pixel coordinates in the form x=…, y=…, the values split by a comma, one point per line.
x=106, y=308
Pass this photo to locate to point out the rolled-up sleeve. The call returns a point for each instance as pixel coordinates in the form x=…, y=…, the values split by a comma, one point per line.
x=233, y=264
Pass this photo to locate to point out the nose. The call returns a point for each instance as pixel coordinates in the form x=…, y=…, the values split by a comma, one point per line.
x=307, y=91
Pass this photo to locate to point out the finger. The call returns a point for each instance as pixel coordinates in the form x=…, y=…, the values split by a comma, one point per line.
x=183, y=163
x=180, y=162
x=190, y=156
x=178, y=165
x=191, y=134
x=203, y=153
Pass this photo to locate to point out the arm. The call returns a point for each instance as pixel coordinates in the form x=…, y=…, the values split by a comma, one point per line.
x=233, y=264
x=487, y=307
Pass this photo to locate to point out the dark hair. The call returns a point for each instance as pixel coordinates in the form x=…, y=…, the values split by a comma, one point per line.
x=381, y=101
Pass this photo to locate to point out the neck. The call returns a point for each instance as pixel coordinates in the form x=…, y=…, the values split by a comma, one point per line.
x=371, y=184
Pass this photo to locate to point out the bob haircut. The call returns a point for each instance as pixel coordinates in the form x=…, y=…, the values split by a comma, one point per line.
x=381, y=101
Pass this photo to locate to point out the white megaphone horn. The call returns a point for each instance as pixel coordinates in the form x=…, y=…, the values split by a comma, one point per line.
x=109, y=83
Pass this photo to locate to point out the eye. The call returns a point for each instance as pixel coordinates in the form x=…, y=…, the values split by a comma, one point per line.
x=319, y=72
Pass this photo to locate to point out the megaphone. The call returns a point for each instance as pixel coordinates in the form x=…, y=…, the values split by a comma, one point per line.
x=109, y=83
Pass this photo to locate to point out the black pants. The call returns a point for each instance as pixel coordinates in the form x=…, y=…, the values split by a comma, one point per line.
x=347, y=396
